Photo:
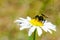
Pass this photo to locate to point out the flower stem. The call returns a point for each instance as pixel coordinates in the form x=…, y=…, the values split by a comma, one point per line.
x=34, y=36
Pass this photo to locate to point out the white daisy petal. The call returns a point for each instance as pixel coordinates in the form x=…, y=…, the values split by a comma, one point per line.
x=22, y=19
x=49, y=25
x=52, y=27
x=24, y=25
x=50, y=31
x=39, y=30
x=22, y=28
x=28, y=18
x=18, y=21
x=31, y=31
x=45, y=29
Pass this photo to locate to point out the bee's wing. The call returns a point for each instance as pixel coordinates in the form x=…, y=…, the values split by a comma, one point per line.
x=44, y=15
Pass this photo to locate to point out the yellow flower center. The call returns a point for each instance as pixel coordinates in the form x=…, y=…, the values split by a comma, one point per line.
x=36, y=22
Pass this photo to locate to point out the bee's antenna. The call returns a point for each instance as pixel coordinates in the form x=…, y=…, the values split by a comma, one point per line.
x=44, y=15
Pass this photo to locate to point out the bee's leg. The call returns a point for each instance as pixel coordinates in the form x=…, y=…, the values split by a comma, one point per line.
x=44, y=21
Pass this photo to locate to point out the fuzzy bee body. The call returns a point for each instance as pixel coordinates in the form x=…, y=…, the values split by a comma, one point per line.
x=40, y=18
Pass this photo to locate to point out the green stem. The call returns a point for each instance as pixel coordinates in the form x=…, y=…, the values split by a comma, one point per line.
x=34, y=36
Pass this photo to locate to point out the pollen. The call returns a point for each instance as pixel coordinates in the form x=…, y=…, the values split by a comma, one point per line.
x=36, y=22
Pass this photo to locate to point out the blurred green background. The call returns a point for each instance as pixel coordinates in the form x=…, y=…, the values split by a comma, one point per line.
x=10, y=10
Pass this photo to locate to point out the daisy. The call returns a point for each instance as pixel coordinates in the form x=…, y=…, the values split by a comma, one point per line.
x=33, y=24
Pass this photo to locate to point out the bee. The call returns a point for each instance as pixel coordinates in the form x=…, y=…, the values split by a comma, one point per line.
x=41, y=17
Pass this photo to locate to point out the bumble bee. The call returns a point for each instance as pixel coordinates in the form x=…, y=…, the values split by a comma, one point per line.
x=41, y=17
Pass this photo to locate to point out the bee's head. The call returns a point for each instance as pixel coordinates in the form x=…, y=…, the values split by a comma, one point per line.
x=37, y=16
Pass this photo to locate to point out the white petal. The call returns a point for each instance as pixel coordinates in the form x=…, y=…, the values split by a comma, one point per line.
x=52, y=27
x=44, y=28
x=39, y=30
x=50, y=31
x=25, y=25
x=49, y=25
x=28, y=18
x=22, y=28
x=18, y=21
x=31, y=30
x=22, y=19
